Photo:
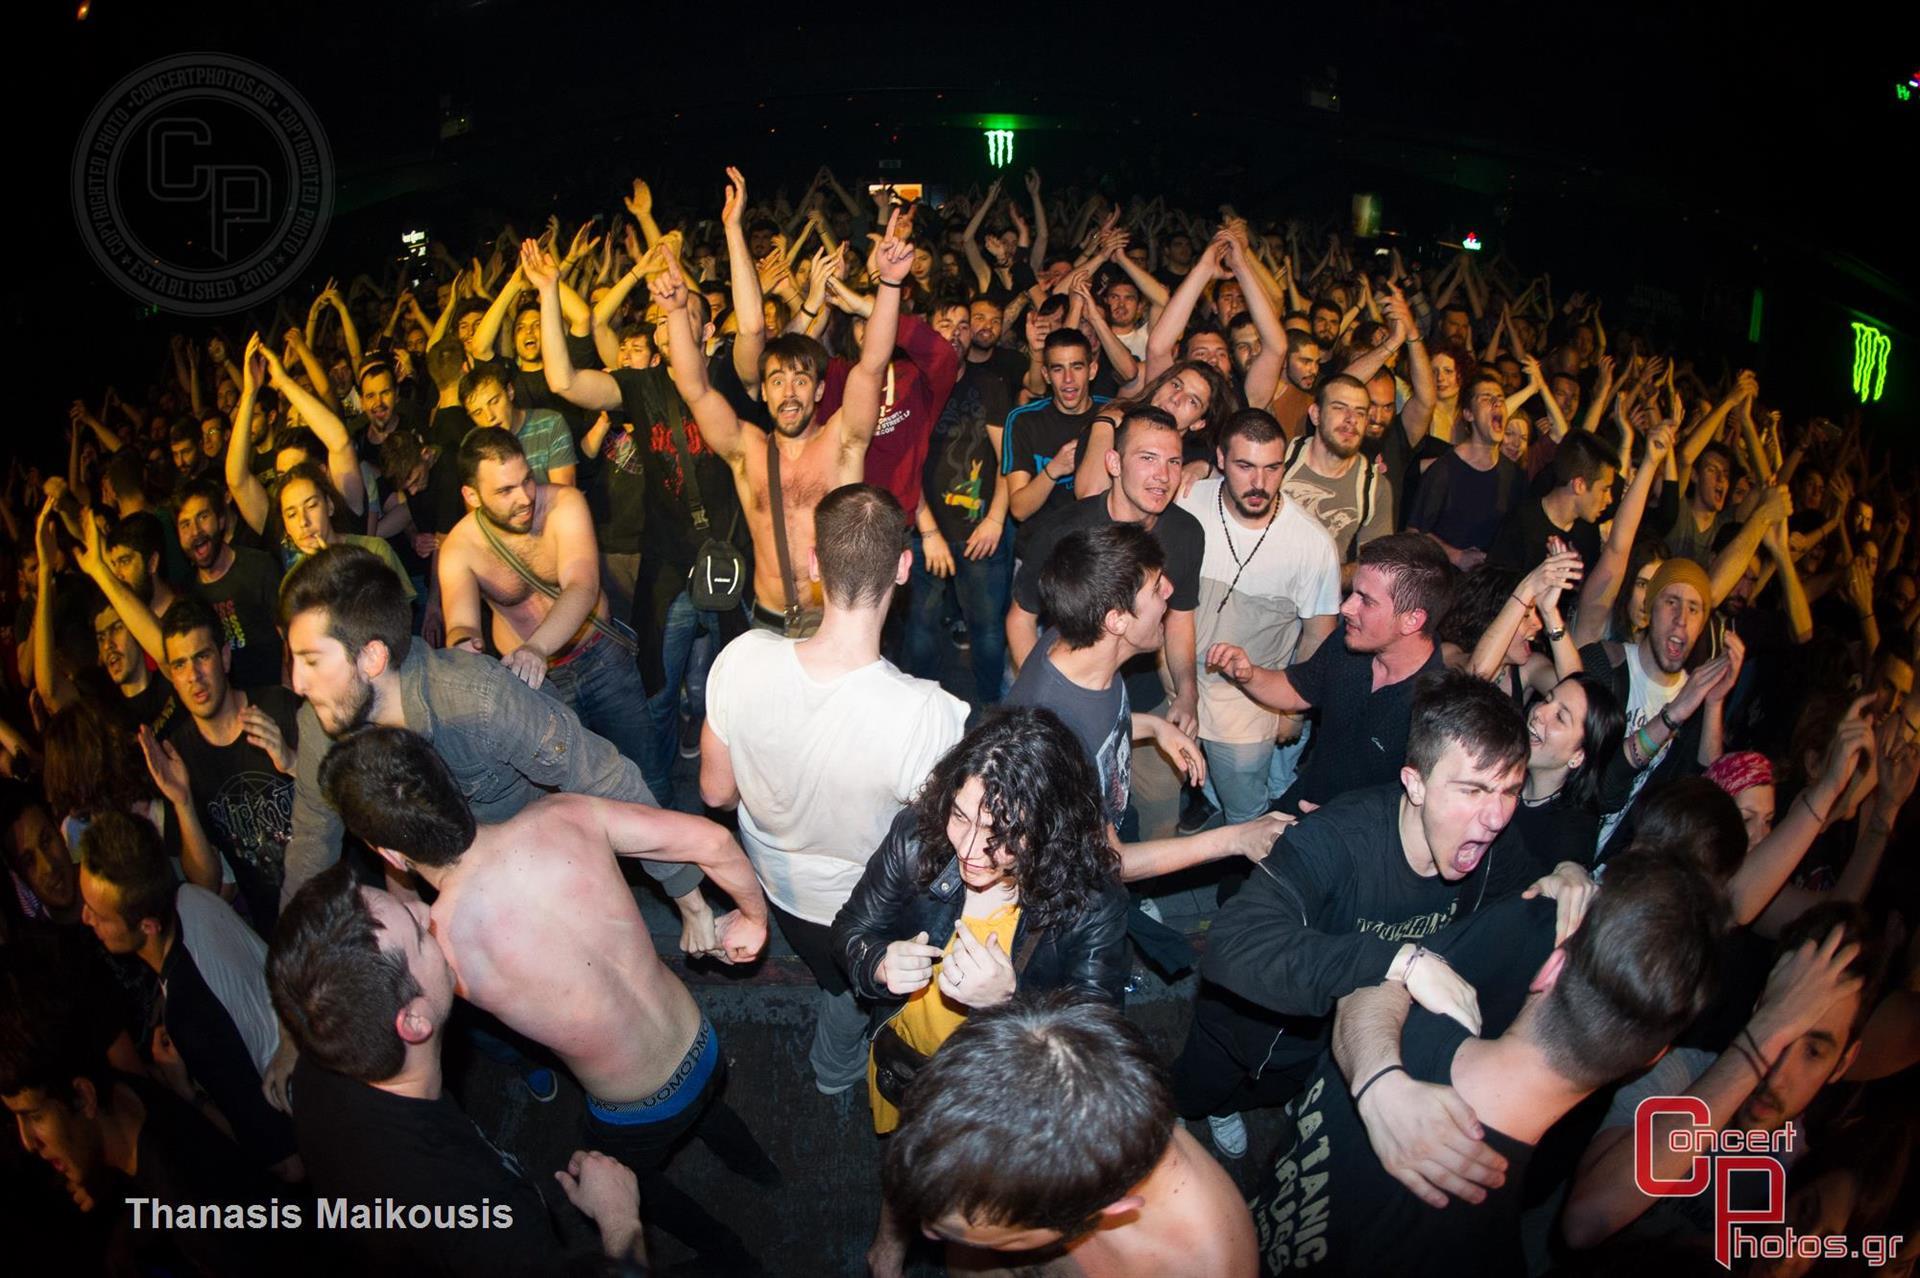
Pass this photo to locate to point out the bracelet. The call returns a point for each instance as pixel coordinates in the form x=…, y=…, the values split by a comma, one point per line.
x=1759, y=1057
x=809, y=312
x=1802, y=798
x=1557, y=634
x=1753, y=1062
x=1376, y=1078
x=1668, y=720
x=1645, y=742
x=893, y=283
x=1517, y=599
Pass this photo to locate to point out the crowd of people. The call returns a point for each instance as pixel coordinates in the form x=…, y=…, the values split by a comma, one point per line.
x=1532, y=697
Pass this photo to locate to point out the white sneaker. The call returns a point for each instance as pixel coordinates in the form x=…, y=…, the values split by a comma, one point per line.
x=1229, y=1134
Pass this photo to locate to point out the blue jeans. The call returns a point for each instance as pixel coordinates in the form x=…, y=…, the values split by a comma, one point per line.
x=1237, y=774
x=602, y=685
x=985, y=590
x=685, y=625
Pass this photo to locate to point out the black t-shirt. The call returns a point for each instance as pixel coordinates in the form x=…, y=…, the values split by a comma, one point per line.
x=648, y=396
x=1328, y=1206
x=1556, y=831
x=1007, y=367
x=531, y=392
x=1403, y=464
x=1179, y=535
x=1359, y=735
x=154, y=706
x=1463, y=505
x=962, y=471
x=1521, y=542
x=1497, y=950
x=1325, y=914
x=1102, y=720
x=245, y=804
x=1036, y=433
x=367, y=1145
x=245, y=600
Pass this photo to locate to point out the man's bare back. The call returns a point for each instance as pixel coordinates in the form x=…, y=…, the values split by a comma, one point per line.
x=518, y=609
x=824, y=460
x=542, y=931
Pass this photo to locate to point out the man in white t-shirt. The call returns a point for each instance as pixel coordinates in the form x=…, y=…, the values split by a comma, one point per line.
x=819, y=742
x=1269, y=580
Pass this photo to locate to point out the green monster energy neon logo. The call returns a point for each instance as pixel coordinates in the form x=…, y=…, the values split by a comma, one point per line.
x=999, y=147
x=1870, y=350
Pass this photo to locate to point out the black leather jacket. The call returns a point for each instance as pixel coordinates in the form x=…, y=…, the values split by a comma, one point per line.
x=1088, y=954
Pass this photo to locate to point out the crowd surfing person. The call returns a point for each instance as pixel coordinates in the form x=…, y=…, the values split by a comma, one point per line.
x=1539, y=692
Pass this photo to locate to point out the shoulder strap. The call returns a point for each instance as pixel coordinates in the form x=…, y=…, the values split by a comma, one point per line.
x=774, y=494
x=1028, y=944
x=541, y=584
x=1295, y=451
x=677, y=428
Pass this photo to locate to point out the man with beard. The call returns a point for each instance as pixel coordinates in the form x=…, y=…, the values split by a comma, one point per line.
x=1648, y=676
x=240, y=583
x=1327, y=477
x=1269, y=582
x=1346, y=901
x=355, y=662
x=1292, y=403
x=806, y=456
x=986, y=319
x=528, y=549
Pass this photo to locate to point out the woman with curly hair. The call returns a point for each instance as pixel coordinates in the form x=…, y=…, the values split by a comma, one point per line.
x=997, y=877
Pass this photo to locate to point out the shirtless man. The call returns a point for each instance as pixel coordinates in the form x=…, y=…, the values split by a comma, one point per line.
x=815, y=457
x=564, y=643
x=540, y=929
x=988, y=1159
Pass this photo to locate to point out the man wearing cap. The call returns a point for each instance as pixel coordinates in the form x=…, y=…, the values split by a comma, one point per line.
x=1649, y=675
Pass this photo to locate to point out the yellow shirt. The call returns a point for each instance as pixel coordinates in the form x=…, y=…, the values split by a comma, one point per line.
x=930, y=1016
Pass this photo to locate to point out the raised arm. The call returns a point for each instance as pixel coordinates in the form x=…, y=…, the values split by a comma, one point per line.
x=749, y=312
x=129, y=607
x=249, y=494
x=1163, y=339
x=859, y=413
x=343, y=464
x=719, y=427
x=1554, y=573
x=1603, y=583
x=1037, y=257
x=348, y=330
x=970, y=239
x=55, y=689
x=1263, y=372
x=481, y=346
x=590, y=388
x=1417, y=416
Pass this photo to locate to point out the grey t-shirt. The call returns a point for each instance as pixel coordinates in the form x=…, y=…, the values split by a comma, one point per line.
x=1101, y=718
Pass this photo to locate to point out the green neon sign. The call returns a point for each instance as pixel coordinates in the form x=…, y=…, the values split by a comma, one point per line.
x=1903, y=92
x=1870, y=350
x=999, y=147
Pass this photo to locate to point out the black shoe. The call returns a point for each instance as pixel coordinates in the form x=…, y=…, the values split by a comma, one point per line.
x=690, y=736
x=1198, y=814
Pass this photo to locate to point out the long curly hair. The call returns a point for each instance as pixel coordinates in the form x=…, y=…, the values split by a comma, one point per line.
x=1044, y=797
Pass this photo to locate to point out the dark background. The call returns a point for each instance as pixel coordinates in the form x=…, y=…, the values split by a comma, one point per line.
x=1670, y=162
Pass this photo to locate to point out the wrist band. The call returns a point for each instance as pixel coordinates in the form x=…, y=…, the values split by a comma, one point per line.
x=1753, y=1063
x=1517, y=599
x=892, y=283
x=1668, y=720
x=809, y=312
x=1555, y=636
x=1802, y=798
x=1376, y=1078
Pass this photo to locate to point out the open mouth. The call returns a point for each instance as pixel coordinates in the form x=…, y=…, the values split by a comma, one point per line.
x=1466, y=857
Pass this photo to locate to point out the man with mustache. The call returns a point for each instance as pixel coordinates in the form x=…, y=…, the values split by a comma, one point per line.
x=814, y=457
x=240, y=583
x=1270, y=583
x=528, y=549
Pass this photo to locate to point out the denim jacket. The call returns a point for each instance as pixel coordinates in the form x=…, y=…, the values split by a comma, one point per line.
x=504, y=743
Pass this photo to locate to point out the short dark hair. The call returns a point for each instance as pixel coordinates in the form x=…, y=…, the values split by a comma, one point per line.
x=485, y=373
x=373, y=363
x=1421, y=577
x=1642, y=965
x=1477, y=600
x=1725, y=454
x=362, y=597
x=393, y=791
x=188, y=614
x=1693, y=819
x=139, y=532
x=1037, y=1113
x=1255, y=425
x=1064, y=337
x=859, y=532
x=1580, y=456
x=209, y=490
x=127, y=471
x=336, y=990
x=1143, y=417
x=126, y=851
x=795, y=352
x=486, y=443
x=184, y=431
x=1326, y=384
x=400, y=452
x=1455, y=707
x=1094, y=571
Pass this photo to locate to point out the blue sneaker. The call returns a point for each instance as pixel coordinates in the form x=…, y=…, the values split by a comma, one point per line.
x=541, y=1084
